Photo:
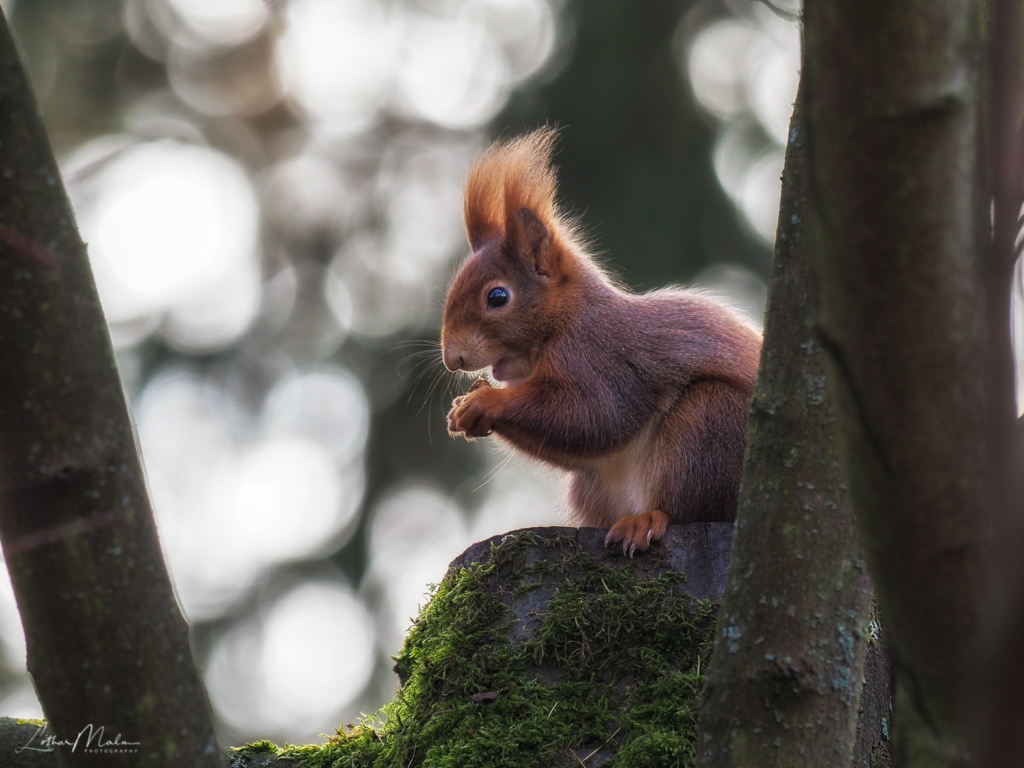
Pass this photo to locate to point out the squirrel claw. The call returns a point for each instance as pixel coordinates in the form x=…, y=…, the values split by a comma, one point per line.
x=637, y=532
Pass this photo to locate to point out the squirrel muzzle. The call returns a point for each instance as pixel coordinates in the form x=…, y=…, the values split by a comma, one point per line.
x=452, y=361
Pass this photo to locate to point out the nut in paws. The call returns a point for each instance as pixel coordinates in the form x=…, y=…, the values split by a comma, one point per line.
x=471, y=415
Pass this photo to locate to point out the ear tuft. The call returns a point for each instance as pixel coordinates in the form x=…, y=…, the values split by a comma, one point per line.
x=506, y=179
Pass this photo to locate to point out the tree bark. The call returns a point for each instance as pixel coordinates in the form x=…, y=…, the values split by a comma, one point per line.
x=107, y=645
x=898, y=228
x=784, y=683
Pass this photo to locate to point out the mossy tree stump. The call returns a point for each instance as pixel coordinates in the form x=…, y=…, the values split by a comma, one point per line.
x=542, y=648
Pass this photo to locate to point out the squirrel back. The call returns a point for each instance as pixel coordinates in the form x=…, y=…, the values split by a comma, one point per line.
x=639, y=396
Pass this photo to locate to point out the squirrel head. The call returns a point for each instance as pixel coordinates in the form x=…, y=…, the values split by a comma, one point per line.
x=509, y=294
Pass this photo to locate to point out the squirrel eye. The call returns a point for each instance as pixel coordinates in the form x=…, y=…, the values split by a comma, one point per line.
x=497, y=297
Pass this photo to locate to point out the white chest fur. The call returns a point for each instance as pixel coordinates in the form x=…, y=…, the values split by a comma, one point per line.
x=620, y=483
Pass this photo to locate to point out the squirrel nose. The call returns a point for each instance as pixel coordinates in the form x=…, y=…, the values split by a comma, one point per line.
x=453, y=363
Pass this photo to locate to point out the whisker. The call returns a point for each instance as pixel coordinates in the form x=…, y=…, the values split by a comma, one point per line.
x=452, y=382
x=429, y=370
x=494, y=472
x=417, y=358
x=426, y=354
x=430, y=431
x=434, y=343
x=427, y=351
x=433, y=387
x=402, y=377
x=421, y=353
x=432, y=365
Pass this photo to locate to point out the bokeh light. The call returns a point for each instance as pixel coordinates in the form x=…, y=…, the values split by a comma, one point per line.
x=295, y=669
x=452, y=73
x=225, y=22
x=11, y=634
x=717, y=66
x=744, y=70
x=336, y=58
x=20, y=702
x=18, y=699
x=305, y=194
x=1017, y=330
x=738, y=286
x=236, y=495
x=424, y=529
x=172, y=232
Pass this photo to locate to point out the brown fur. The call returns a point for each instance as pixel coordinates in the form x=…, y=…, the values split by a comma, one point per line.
x=642, y=398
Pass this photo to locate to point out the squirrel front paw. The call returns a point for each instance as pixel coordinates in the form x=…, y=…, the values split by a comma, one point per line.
x=473, y=414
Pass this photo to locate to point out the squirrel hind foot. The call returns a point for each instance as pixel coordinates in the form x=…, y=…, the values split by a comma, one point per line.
x=636, y=532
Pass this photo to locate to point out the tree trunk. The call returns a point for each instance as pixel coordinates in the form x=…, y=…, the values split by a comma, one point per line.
x=898, y=228
x=107, y=646
x=784, y=684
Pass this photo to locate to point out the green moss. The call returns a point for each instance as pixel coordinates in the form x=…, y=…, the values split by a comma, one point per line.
x=264, y=747
x=613, y=665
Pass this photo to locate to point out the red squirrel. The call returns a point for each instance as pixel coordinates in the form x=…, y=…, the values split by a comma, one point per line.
x=642, y=398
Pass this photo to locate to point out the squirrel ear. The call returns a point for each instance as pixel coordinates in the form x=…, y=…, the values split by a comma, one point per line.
x=480, y=233
x=534, y=241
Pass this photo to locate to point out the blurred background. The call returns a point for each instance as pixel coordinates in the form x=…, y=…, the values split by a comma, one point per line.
x=270, y=191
